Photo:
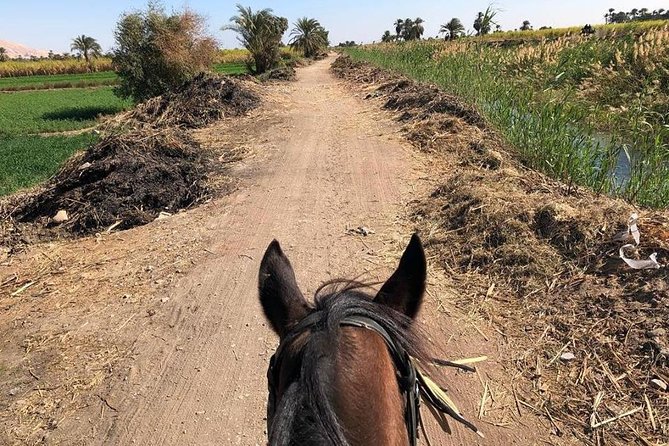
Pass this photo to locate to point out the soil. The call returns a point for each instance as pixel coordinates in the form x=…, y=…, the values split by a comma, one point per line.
x=154, y=335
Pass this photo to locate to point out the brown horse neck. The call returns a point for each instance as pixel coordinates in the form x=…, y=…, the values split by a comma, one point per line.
x=366, y=394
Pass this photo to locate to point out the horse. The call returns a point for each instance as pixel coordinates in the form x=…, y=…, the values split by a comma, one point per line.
x=344, y=372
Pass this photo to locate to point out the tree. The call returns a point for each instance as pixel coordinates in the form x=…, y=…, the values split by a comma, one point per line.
x=260, y=32
x=412, y=29
x=484, y=21
x=417, y=30
x=87, y=47
x=399, y=26
x=3, y=54
x=387, y=37
x=156, y=52
x=453, y=29
x=526, y=26
x=309, y=37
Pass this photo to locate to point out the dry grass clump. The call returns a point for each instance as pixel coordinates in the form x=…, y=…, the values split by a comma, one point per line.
x=540, y=261
x=197, y=103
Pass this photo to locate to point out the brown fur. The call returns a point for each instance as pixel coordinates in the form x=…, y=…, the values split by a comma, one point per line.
x=366, y=396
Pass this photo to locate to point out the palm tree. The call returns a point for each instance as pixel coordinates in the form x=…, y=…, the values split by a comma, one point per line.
x=3, y=54
x=309, y=36
x=387, y=37
x=526, y=26
x=484, y=21
x=260, y=32
x=417, y=29
x=453, y=29
x=399, y=26
x=87, y=47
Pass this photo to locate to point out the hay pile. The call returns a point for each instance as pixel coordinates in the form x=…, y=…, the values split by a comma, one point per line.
x=540, y=261
x=197, y=103
x=145, y=164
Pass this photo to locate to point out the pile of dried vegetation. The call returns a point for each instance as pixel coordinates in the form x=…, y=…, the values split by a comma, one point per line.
x=540, y=260
x=197, y=103
x=145, y=163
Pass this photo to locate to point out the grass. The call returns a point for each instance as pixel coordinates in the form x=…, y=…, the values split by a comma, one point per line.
x=58, y=81
x=29, y=160
x=231, y=68
x=553, y=100
x=56, y=110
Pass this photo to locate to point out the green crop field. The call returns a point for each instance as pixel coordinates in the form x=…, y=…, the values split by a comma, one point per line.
x=28, y=158
x=231, y=68
x=102, y=78
x=56, y=110
x=57, y=81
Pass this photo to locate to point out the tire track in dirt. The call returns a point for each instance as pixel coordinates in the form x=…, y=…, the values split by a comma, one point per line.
x=198, y=376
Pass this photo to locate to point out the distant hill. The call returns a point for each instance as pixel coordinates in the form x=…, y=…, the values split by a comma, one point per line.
x=15, y=50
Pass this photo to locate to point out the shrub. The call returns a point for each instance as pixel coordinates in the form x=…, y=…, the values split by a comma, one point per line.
x=156, y=52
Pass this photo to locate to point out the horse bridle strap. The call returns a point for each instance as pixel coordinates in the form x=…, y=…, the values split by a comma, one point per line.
x=406, y=371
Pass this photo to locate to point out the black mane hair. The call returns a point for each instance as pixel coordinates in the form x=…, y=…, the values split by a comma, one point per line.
x=305, y=415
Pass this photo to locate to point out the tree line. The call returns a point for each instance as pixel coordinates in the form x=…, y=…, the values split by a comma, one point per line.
x=407, y=29
x=613, y=16
x=155, y=51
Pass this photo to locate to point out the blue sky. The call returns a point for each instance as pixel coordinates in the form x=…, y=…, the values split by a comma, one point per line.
x=50, y=25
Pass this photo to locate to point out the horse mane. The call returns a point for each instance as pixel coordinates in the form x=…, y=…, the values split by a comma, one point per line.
x=305, y=415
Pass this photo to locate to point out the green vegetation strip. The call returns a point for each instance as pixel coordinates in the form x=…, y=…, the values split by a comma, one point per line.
x=231, y=68
x=57, y=81
x=553, y=100
x=56, y=110
x=28, y=160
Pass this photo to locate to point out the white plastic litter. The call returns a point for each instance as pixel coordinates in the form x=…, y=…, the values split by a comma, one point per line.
x=633, y=228
x=651, y=262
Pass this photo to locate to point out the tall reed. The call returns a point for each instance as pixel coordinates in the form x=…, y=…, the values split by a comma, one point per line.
x=571, y=106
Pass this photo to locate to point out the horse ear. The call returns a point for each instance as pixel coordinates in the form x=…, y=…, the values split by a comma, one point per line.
x=404, y=290
x=281, y=299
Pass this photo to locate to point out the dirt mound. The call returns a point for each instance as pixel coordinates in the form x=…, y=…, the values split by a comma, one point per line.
x=540, y=261
x=144, y=165
x=197, y=103
x=126, y=179
x=286, y=73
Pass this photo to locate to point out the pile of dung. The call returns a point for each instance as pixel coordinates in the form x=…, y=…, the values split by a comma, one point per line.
x=286, y=73
x=127, y=179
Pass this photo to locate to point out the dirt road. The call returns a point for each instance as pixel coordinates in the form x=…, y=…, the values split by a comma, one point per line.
x=325, y=161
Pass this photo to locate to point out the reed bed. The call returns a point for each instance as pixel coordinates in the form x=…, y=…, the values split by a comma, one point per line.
x=590, y=111
x=16, y=68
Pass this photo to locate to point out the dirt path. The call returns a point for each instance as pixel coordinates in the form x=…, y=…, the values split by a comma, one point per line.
x=326, y=161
